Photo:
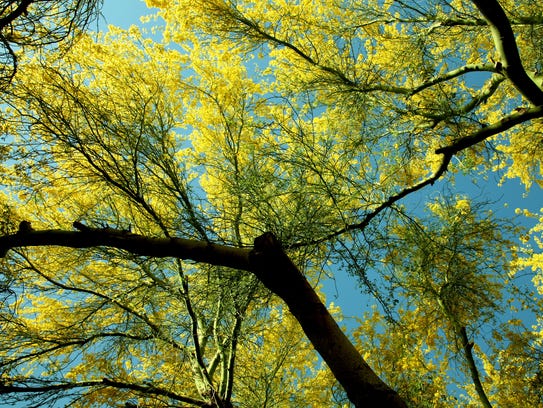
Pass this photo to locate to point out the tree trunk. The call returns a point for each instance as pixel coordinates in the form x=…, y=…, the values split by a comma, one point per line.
x=271, y=265
x=274, y=268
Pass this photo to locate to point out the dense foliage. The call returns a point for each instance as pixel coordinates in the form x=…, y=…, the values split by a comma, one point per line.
x=344, y=128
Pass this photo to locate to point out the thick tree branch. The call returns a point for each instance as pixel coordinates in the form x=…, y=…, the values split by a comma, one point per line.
x=467, y=346
x=504, y=41
x=199, y=251
x=18, y=12
x=272, y=267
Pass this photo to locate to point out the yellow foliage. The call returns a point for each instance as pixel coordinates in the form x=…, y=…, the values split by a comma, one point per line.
x=305, y=118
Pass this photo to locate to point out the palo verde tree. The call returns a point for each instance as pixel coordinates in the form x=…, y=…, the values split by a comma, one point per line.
x=171, y=208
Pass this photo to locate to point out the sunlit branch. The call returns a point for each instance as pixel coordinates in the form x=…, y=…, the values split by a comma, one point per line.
x=231, y=358
x=484, y=133
x=136, y=196
x=400, y=90
x=415, y=90
x=452, y=22
x=505, y=43
x=480, y=97
x=449, y=22
x=151, y=389
x=203, y=372
x=453, y=74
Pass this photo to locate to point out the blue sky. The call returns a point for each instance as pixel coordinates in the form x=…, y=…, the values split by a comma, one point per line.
x=124, y=13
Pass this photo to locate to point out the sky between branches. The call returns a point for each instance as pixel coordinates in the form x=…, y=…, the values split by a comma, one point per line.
x=344, y=291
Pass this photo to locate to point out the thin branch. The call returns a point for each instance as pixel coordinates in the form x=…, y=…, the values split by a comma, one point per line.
x=448, y=152
x=141, y=316
x=61, y=345
x=261, y=34
x=7, y=388
x=386, y=204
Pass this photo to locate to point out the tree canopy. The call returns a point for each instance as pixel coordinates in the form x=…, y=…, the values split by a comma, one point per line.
x=33, y=24
x=173, y=203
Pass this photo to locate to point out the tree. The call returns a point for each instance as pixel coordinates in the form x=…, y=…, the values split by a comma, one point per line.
x=169, y=208
x=31, y=24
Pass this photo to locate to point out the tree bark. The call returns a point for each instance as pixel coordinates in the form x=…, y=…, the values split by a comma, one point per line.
x=277, y=272
x=271, y=265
